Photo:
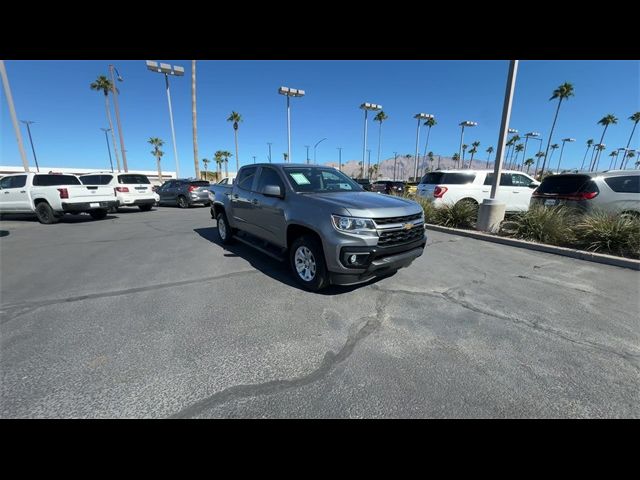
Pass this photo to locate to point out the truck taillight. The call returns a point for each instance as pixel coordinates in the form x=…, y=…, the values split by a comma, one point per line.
x=64, y=193
x=122, y=189
x=438, y=192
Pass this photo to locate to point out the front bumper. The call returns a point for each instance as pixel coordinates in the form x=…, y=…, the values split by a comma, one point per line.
x=377, y=261
x=85, y=207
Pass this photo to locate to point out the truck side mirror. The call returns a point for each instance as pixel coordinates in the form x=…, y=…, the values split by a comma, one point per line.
x=273, y=191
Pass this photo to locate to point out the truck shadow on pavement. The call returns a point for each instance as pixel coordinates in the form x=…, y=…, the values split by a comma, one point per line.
x=279, y=271
x=80, y=218
x=4, y=233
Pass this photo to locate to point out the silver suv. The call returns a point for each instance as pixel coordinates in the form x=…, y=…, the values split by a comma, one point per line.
x=614, y=191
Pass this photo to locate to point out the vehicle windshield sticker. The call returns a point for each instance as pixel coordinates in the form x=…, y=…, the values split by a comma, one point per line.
x=300, y=179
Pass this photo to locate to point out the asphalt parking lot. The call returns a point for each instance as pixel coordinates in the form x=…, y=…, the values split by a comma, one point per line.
x=146, y=315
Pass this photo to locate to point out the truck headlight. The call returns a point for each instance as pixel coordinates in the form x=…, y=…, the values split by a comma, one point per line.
x=358, y=226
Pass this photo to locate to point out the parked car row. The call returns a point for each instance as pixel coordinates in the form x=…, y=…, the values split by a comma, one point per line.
x=616, y=191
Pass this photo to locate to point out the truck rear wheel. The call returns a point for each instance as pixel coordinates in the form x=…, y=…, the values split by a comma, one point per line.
x=45, y=214
x=98, y=214
x=307, y=263
x=225, y=232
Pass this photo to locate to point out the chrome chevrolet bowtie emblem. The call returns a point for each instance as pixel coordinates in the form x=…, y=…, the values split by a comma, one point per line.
x=407, y=226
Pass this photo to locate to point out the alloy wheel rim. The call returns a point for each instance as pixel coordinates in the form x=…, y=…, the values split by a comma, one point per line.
x=305, y=263
x=222, y=229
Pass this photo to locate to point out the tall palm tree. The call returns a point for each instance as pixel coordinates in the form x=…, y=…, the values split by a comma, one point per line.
x=380, y=117
x=554, y=147
x=528, y=162
x=600, y=148
x=361, y=174
x=226, y=154
x=430, y=155
x=156, y=152
x=464, y=150
x=607, y=120
x=514, y=140
x=430, y=122
x=589, y=144
x=613, y=155
x=518, y=149
x=635, y=118
x=217, y=157
x=564, y=91
x=456, y=159
x=489, y=152
x=104, y=85
x=473, y=151
x=236, y=118
x=206, y=161
x=630, y=155
x=538, y=156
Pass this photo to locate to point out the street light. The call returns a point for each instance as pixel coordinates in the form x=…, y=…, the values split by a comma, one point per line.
x=466, y=123
x=269, y=143
x=13, y=115
x=340, y=158
x=419, y=116
x=623, y=157
x=600, y=147
x=307, y=147
x=167, y=70
x=314, y=151
x=117, y=109
x=510, y=148
x=395, y=160
x=564, y=140
x=367, y=107
x=289, y=92
x=526, y=140
x=105, y=130
x=27, y=123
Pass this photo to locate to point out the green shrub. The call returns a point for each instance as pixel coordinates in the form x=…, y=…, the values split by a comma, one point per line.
x=608, y=233
x=542, y=224
x=429, y=209
x=458, y=215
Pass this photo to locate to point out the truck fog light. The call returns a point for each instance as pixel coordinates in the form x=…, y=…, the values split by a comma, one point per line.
x=352, y=259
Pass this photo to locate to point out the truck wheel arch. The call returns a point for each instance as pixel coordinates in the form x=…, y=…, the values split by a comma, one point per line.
x=296, y=230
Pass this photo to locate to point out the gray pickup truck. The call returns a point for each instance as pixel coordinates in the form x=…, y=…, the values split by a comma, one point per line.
x=331, y=230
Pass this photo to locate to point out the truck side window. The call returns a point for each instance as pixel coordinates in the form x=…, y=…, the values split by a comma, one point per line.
x=6, y=182
x=245, y=179
x=268, y=176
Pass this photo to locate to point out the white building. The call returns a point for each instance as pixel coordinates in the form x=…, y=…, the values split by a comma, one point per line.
x=152, y=175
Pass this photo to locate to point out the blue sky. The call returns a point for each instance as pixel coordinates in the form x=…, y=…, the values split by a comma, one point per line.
x=68, y=115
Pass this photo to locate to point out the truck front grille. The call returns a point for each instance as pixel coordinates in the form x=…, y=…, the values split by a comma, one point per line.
x=399, y=237
x=390, y=220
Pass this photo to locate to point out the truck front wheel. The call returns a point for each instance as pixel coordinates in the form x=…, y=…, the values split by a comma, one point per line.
x=45, y=214
x=307, y=263
x=225, y=232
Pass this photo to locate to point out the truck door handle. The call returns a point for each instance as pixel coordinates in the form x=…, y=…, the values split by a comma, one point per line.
x=6, y=192
x=235, y=195
x=485, y=191
x=23, y=191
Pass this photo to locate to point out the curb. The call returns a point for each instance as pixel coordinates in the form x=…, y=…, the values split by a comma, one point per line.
x=541, y=247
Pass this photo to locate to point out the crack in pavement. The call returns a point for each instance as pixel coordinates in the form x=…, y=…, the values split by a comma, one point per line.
x=631, y=358
x=10, y=312
x=329, y=362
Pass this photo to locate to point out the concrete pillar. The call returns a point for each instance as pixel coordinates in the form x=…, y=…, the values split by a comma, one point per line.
x=490, y=214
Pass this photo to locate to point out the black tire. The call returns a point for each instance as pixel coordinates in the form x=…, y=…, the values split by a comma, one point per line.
x=145, y=208
x=182, y=201
x=45, y=214
x=225, y=232
x=313, y=277
x=112, y=210
x=98, y=214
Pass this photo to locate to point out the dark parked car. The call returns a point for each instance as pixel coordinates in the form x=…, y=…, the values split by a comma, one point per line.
x=365, y=183
x=184, y=193
x=389, y=187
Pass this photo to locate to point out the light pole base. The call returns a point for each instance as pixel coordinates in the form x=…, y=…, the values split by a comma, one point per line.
x=490, y=215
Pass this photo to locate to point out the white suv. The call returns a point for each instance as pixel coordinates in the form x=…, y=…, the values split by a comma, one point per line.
x=131, y=189
x=453, y=186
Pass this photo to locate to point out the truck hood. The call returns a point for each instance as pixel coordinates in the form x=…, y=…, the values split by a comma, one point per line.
x=366, y=204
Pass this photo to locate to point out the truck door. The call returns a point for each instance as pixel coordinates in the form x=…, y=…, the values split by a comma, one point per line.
x=268, y=212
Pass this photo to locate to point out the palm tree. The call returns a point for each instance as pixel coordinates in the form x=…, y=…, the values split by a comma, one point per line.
x=456, y=159
x=607, y=120
x=430, y=155
x=554, y=147
x=518, y=149
x=236, y=118
x=285, y=155
x=430, y=122
x=589, y=143
x=464, y=150
x=563, y=92
x=104, y=85
x=538, y=156
x=635, y=118
x=205, y=161
x=156, y=152
x=630, y=155
x=613, y=156
x=361, y=174
x=473, y=151
x=514, y=140
x=226, y=154
x=380, y=117
x=600, y=148
x=217, y=157
x=528, y=162
x=489, y=152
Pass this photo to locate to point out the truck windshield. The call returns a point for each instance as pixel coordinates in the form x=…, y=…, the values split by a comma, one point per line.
x=320, y=180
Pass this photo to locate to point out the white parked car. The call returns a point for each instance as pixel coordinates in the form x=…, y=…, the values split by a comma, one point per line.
x=131, y=189
x=50, y=196
x=453, y=186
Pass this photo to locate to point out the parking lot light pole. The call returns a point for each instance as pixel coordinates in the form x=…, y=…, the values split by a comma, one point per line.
x=289, y=92
x=420, y=117
x=373, y=107
x=167, y=70
x=564, y=140
x=395, y=161
x=466, y=123
x=491, y=212
x=13, y=115
x=114, y=90
x=526, y=139
x=340, y=158
x=35, y=159
x=314, y=151
x=269, y=144
x=105, y=130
